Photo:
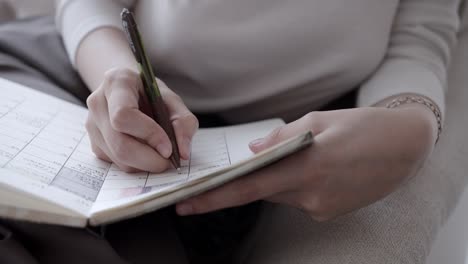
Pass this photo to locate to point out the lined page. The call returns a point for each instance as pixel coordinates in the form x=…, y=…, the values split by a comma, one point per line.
x=38, y=137
x=43, y=139
x=209, y=152
x=212, y=149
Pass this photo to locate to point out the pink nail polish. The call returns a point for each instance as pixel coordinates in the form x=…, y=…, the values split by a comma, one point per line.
x=257, y=142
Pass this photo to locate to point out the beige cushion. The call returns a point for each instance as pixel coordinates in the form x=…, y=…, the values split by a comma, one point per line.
x=398, y=229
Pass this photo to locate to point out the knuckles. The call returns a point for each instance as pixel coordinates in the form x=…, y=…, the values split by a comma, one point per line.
x=123, y=75
x=311, y=117
x=313, y=121
x=191, y=120
x=119, y=119
x=188, y=120
x=119, y=149
x=92, y=101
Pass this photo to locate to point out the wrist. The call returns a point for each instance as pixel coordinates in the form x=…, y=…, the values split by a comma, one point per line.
x=427, y=109
x=425, y=115
x=101, y=51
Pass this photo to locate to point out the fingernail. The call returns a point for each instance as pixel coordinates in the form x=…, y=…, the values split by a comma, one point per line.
x=184, y=209
x=164, y=149
x=257, y=142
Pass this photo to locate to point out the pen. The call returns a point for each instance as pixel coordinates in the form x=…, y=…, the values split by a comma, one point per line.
x=159, y=109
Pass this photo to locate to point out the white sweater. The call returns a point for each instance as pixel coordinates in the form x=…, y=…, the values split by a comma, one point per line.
x=252, y=59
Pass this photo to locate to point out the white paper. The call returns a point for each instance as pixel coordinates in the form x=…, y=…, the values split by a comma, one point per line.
x=43, y=139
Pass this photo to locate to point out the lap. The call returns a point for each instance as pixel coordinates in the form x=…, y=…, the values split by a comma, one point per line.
x=31, y=53
x=146, y=239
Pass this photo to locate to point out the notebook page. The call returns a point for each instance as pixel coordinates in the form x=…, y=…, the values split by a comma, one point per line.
x=43, y=139
x=209, y=152
x=212, y=149
x=38, y=135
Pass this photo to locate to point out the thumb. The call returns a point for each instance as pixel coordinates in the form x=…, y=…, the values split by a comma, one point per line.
x=284, y=132
x=275, y=137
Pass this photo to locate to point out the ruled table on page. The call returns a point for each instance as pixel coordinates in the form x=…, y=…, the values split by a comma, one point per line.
x=39, y=140
x=209, y=153
x=44, y=139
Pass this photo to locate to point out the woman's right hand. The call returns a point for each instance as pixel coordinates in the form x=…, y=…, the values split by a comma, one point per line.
x=121, y=128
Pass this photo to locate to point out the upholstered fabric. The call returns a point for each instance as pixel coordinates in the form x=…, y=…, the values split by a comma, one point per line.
x=397, y=229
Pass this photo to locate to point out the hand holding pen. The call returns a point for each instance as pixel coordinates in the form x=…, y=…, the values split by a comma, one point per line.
x=120, y=123
x=159, y=110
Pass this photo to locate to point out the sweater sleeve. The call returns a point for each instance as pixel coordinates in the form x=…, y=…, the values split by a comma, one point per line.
x=75, y=19
x=418, y=55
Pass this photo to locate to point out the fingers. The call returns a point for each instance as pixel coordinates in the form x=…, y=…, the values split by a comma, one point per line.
x=133, y=122
x=267, y=183
x=126, y=117
x=260, y=185
x=184, y=122
x=122, y=128
x=99, y=146
x=184, y=128
x=306, y=123
x=126, y=150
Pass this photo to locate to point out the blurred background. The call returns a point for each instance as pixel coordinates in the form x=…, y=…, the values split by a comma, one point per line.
x=25, y=8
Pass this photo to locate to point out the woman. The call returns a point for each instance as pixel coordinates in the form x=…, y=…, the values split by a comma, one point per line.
x=244, y=61
x=248, y=61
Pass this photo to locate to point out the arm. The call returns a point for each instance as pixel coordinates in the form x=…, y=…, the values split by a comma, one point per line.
x=119, y=122
x=92, y=34
x=418, y=56
x=96, y=56
x=359, y=155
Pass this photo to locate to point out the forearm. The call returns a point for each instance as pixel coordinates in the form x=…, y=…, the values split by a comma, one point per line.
x=418, y=54
x=102, y=50
x=425, y=113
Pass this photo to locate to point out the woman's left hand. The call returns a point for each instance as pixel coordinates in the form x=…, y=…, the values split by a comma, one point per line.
x=358, y=156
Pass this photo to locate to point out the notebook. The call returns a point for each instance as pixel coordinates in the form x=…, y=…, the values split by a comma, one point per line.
x=49, y=174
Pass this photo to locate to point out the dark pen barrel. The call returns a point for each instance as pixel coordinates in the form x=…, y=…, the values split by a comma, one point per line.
x=130, y=29
x=160, y=113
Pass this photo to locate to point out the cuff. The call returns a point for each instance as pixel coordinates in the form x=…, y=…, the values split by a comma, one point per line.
x=396, y=77
x=76, y=19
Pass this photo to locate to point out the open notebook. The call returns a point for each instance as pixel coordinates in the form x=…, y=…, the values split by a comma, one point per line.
x=49, y=174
